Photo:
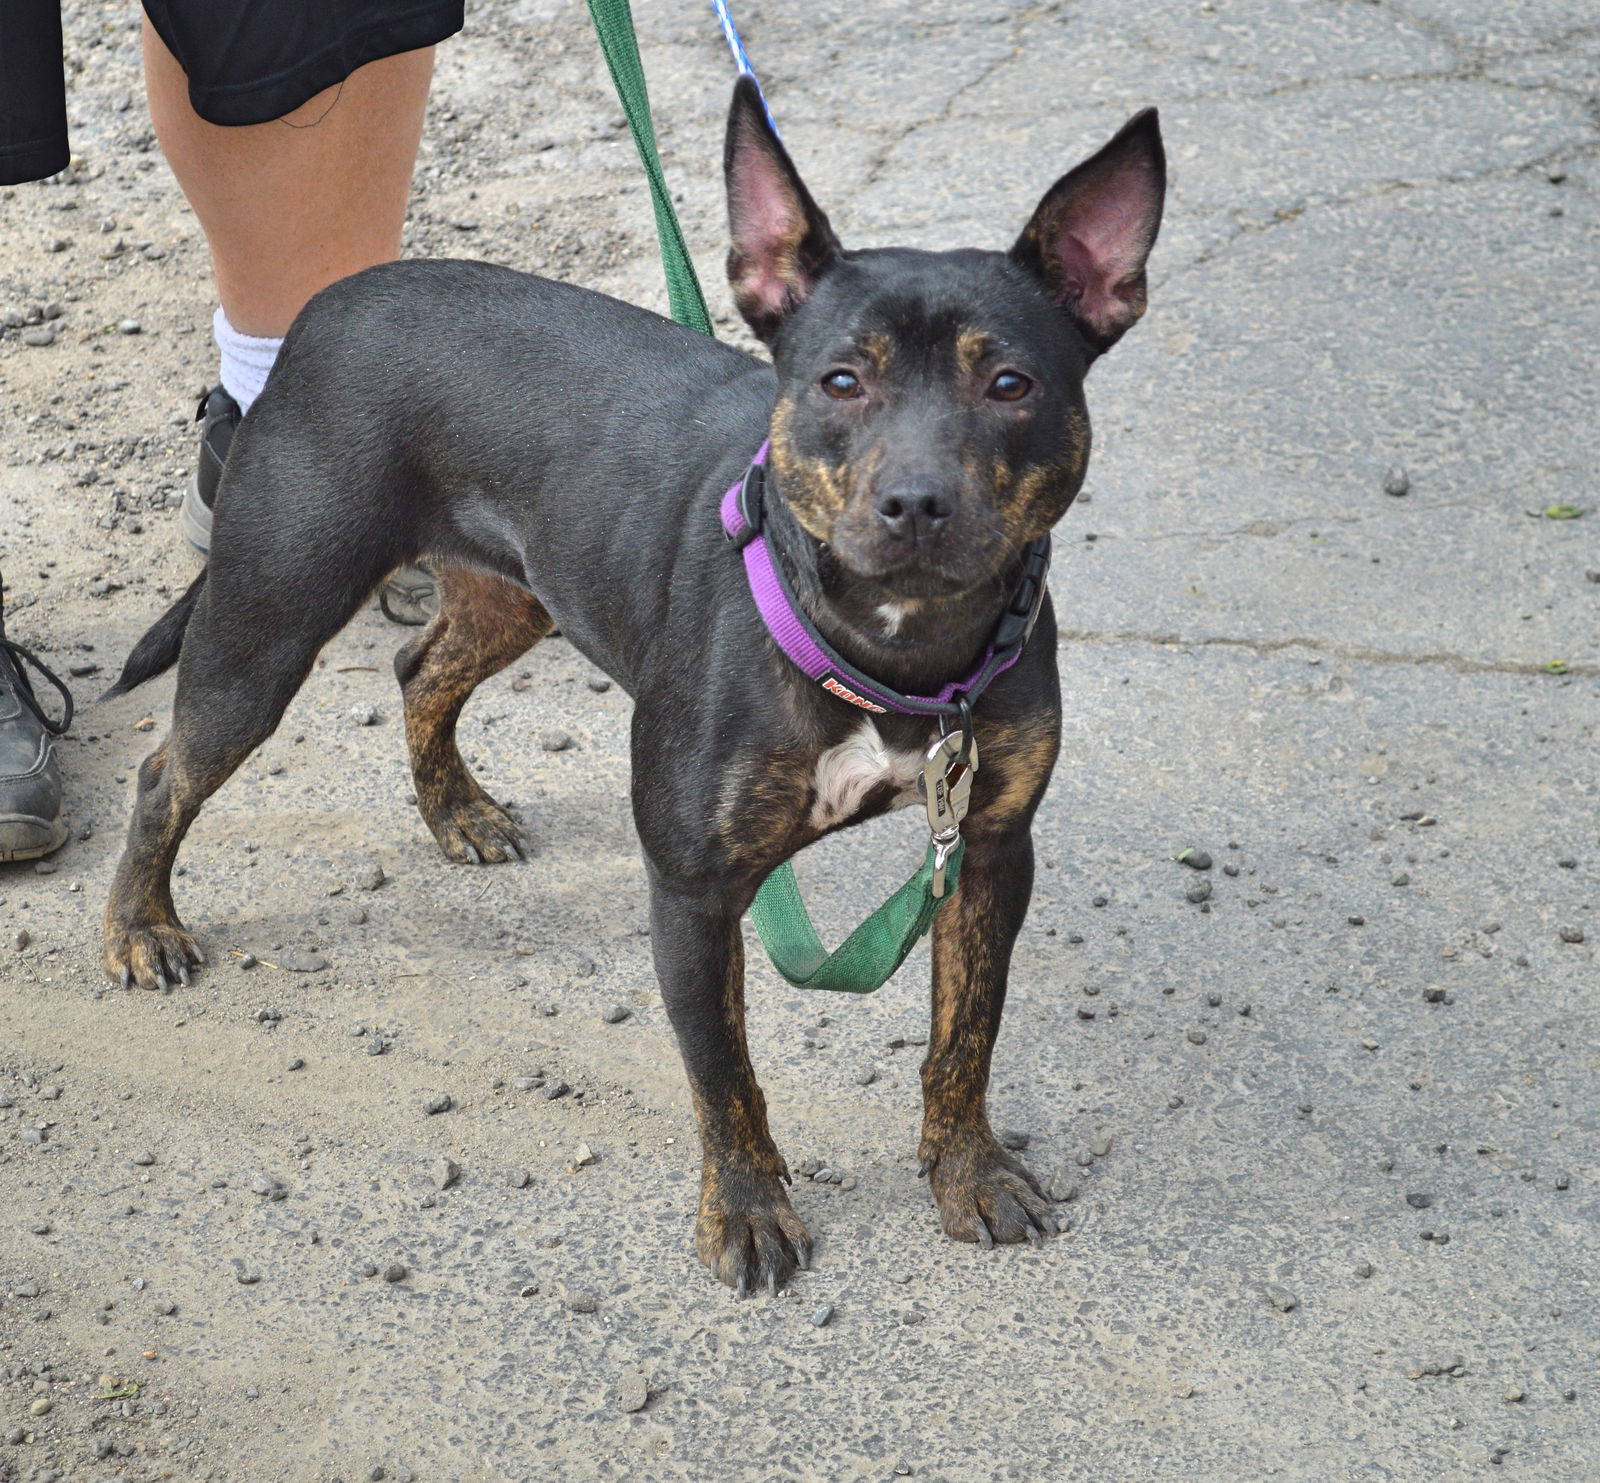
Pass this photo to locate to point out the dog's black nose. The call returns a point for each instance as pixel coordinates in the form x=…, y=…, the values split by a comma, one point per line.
x=913, y=511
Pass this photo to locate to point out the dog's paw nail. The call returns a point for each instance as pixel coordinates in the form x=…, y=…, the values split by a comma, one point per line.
x=127, y=977
x=742, y=1288
x=985, y=1236
x=183, y=974
x=925, y=1168
x=473, y=857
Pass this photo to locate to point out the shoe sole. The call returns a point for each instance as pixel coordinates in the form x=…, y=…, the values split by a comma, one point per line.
x=9, y=822
x=195, y=518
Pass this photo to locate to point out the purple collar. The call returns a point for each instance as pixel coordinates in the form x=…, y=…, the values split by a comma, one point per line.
x=794, y=633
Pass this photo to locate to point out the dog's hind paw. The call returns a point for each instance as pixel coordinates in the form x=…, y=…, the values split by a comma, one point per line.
x=154, y=956
x=751, y=1240
x=479, y=832
x=985, y=1194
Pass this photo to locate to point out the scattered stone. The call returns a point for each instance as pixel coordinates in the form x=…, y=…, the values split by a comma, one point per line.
x=1198, y=892
x=527, y=1083
x=1400, y=878
x=615, y=1014
x=1515, y=1393
x=129, y=327
x=248, y=960
x=1419, y=1199
x=821, y=1314
x=364, y=715
x=1196, y=1037
x=520, y=1179
x=40, y=336
x=302, y=960
x=556, y=1089
x=866, y=1076
x=21, y=940
x=632, y=1391
x=1397, y=482
x=44, y=1406
x=1061, y=1188
x=296, y=1064
x=1100, y=1145
x=267, y=1186
x=599, y=684
x=1281, y=1298
x=356, y=916
x=1015, y=1139
x=371, y=878
x=445, y=1172
x=1572, y=934
x=396, y=1272
x=1365, y=1269
x=144, y=1160
x=582, y=1302
x=555, y=741
x=435, y=1105
x=584, y=1156
x=1563, y=1181
x=245, y=1275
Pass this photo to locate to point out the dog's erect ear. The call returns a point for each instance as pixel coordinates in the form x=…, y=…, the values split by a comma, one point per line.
x=1089, y=239
x=782, y=242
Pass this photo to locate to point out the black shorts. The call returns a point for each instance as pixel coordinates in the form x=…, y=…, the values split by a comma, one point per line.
x=248, y=61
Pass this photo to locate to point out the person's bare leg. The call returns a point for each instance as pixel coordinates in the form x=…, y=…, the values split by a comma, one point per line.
x=292, y=205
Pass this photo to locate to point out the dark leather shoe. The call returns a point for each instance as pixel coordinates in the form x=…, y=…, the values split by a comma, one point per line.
x=30, y=781
x=221, y=416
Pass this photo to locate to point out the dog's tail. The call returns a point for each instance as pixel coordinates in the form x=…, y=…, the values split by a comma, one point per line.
x=157, y=651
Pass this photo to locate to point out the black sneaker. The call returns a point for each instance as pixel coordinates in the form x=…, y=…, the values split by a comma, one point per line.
x=221, y=416
x=30, y=782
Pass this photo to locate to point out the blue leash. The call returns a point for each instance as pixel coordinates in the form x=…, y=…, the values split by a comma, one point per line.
x=736, y=46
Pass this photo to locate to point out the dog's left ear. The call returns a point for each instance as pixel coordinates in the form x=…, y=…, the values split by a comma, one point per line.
x=782, y=242
x=1092, y=232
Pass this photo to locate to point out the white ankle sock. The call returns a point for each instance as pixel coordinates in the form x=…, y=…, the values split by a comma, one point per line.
x=246, y=359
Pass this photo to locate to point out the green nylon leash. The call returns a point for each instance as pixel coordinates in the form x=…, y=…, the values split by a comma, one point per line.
x=866, y=959
x=613, y=24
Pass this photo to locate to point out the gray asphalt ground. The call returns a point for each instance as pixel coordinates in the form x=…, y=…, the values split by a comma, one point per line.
x=1326, y=1142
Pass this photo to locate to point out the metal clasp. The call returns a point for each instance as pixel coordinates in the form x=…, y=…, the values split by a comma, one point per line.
x=946, y=787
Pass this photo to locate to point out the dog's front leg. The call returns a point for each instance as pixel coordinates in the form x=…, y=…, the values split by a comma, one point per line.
x=983, y=1192
x=748, y=1233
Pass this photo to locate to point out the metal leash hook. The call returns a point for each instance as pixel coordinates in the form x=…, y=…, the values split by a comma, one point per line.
x=946, y=787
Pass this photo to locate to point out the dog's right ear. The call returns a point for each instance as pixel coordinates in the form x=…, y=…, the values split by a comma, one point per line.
x=782, y=242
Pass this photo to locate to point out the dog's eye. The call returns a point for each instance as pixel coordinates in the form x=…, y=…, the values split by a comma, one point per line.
x=843, y=386
x=1009, y=386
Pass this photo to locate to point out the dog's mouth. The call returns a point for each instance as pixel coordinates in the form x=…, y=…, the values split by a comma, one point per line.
x=922, y=571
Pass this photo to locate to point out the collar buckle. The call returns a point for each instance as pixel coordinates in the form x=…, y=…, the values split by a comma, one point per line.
x=1017, y=623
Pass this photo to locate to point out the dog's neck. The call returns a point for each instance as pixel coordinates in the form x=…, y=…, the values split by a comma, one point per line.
x=916, y=645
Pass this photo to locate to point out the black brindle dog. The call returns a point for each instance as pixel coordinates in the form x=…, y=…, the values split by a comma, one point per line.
x=560, y=458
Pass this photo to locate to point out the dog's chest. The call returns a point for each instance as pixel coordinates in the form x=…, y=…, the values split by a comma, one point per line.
x=846, y=775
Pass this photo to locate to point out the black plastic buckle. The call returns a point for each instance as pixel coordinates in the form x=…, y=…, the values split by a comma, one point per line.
x=1017, y=623
x=751, y=498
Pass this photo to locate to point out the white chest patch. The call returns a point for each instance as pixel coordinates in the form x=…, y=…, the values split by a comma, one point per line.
x=848, y=772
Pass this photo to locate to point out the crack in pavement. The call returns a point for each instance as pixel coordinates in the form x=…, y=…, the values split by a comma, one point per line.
x=1353, y=653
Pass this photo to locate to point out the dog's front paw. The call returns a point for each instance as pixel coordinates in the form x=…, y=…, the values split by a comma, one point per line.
x=748, y=1234
x=152, y=954
x=478, y=832
x=984, y=1194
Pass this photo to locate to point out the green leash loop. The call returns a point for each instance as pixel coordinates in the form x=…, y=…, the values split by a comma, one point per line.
x=613, y=24
x=866, y=959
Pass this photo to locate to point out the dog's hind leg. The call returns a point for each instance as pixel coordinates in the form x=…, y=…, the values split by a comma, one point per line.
x=245, y=653
x=484, y=622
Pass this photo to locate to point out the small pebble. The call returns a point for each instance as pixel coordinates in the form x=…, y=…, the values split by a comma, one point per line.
x=247, y=960
x=296, y=1064
x=632, y=1391
x=364, y=715
x=1281, y=1298
x=599, y=684
x=44, y=1406
x=444, y=1172
x=1198, y=892
x=144, y=1160
x=615, y=1014
x=1572, y=934
x=821, y=1314
x=1015, y=1139
x=396, y=1272
x=1365, y=1269
x=1515, y=1393
x=582, y=1302
x=555, y=741
x=1419, y=1200
x=521, y=1179
x=1397, y=482
x=435, y=1105
x=556, y=1089
x=584, y=1156
x=1196, y=859
x=1196, y=1037
x=866, y=1076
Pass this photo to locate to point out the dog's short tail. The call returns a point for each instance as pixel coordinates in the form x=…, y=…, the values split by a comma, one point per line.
x=157, y=651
